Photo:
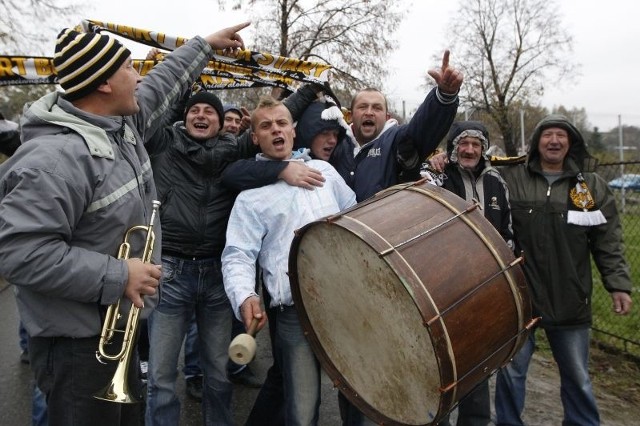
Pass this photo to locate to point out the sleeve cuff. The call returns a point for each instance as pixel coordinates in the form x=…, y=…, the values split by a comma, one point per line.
x=446, y=98
x=114, y=281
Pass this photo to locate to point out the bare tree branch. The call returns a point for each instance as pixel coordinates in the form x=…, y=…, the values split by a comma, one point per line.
x=28, y=27
x=355, y=37
x=510, y=50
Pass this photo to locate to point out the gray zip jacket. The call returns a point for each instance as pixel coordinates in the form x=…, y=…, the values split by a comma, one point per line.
x=70, y=192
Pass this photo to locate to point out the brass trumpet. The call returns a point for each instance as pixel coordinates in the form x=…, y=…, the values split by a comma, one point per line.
x=118, y=389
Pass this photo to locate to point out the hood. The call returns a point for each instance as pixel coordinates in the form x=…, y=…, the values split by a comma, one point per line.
x=233, y=108
x=51, y=114
x=462, y=129
x=317, y=118
x=577, y=147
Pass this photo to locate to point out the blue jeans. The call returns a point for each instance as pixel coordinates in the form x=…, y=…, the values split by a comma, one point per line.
x=189, y=286
x=237, y=327
x=191, y=351
x=23, y=337
x=570, y=349
x=300, y=370
x=39, y=415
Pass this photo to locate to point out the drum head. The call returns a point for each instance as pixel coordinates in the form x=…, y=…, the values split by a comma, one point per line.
x=364, y=326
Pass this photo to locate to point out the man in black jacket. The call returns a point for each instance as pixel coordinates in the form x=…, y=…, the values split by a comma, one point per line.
x=188, y=158
x=470, y=175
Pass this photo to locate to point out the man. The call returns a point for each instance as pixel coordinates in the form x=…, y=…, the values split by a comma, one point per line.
x=377, y=148
x=318, y=132
x=69, y=193
x=188, y=158
x=235, y=120
x=320, y=129
x=275, y=212
x=374, y=154
x=562, y=215
x=469, y=175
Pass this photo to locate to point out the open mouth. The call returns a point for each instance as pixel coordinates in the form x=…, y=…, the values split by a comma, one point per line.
x=201, y=126
x=278, y=142
x=368, y=124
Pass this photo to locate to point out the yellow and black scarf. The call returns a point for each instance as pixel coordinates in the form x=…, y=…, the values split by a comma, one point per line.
x=582, y=208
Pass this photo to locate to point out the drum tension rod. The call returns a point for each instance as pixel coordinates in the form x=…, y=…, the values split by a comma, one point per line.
x=474, y=290
x=469, y=209
x=527, y=328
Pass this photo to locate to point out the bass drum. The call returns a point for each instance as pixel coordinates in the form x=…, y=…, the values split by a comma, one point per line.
x=409, y=300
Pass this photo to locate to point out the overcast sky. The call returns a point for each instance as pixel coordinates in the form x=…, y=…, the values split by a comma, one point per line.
x=606, y=45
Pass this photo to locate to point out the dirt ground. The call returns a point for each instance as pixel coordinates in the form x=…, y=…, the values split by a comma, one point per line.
x=616, y=382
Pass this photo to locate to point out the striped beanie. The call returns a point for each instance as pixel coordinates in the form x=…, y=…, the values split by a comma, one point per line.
x=83, y=61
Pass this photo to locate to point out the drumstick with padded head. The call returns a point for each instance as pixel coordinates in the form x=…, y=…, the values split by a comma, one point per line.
x=243, y=347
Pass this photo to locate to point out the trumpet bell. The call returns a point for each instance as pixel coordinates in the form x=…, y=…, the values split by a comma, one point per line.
x=117, y=392
x=118, y=389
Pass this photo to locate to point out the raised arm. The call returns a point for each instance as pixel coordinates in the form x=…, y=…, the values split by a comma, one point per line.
x=298, y=101
x=171, y=78
x=431, y=122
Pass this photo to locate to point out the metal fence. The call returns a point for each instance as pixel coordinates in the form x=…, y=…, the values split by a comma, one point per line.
x=618, y=332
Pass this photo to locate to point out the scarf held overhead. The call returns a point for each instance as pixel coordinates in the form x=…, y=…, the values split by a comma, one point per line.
x=241, y=69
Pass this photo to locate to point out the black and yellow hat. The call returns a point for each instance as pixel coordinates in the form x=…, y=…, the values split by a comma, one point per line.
x=83, y=61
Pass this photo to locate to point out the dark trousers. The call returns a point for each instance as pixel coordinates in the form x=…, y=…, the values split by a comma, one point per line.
x=474, y=409
x=350, y=414
x=68, y=373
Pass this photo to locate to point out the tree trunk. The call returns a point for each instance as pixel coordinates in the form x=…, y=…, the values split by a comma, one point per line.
x=510, y=146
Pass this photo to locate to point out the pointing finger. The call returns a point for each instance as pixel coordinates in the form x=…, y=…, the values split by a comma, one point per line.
x=445, y=60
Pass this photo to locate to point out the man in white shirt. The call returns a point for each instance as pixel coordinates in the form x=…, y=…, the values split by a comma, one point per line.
x=261, y=229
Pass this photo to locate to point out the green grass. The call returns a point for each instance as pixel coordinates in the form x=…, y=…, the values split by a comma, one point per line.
x=622, y=332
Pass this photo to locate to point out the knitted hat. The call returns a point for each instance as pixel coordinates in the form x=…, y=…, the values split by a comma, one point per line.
x=204, y=97
x=83, y=61
x=233, y=108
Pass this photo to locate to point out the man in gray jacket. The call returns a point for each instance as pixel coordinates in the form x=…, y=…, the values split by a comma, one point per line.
x=78, y=182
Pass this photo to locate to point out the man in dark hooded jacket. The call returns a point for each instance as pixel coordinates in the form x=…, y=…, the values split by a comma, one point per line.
x=321, y=129
x=470, y=175
x=563, y=214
